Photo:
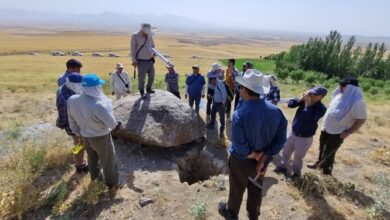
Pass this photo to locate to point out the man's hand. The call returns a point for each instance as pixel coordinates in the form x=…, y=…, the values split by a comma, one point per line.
x=76, y=140
x=134, y=63
x=260, y=165
x=345, y=134
x=117, y=130
x=307, y=99
x=112, y=93
x=256, y=155
x=185, y=96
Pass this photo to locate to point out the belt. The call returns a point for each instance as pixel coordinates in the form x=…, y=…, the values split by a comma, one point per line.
x=141, y=60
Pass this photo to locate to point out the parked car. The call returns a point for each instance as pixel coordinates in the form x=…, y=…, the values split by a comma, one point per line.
x=96, y=54
x=113, y=55
x=57, y=53
x=77, y=54
x=195, y=57
x=33, y=54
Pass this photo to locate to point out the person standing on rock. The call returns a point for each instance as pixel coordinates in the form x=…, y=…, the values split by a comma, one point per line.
x=310, y=111
x=195, y=88
x=215, y=72
x=120, y=82
x=91, y=118
x=231, y=75
x=142, y=57
x=172, y=80
x=72, y=66
x=71, y=87
x=258, y=133
x=219, y=103
x=346, y=114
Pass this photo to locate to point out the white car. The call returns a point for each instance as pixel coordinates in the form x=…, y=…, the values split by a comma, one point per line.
x=33, y=54
x=96, y=54
x=77, y=54
x=57, y=53
x=113, y=55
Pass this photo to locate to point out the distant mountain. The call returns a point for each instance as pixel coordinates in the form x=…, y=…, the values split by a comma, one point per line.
x=107, y=19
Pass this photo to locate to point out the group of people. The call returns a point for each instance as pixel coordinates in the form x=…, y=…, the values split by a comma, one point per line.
x=259, y=127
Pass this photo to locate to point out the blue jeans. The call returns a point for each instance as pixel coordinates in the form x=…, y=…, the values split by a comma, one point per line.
x=191, y=101
x=217, y=107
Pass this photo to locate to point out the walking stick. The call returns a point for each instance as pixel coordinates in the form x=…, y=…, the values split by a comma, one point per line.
x=135, y=72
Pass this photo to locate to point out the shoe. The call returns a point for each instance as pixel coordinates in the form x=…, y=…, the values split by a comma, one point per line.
x=82, y=169
x=114, y=189
x=295, y=176
x=223, y=211
x=142, y=92
x=280, y=170
x=313, y=165
x=150, y=91
x=210, y=126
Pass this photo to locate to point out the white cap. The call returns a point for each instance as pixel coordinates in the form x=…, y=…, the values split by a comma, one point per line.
x=215, y=67
x=255, y=81
x=119, y=65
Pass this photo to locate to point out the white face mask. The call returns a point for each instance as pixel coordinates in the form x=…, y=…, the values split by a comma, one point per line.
x=75, y=87
x=147, y=30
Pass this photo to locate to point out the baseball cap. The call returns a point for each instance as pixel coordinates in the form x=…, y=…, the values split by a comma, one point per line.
x=75, y=78
x=349, y=81
x=91, y=80
x=318, y=90
x=195, y=67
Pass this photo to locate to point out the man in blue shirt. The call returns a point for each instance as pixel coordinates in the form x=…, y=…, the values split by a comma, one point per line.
x=310, y=111
x=258, y=133
x=219, y=101
x=195, y=87
x=72, y=66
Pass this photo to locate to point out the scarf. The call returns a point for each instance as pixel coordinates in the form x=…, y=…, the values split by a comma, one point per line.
x=75, y=87
x=351, y=95
x=97, y=93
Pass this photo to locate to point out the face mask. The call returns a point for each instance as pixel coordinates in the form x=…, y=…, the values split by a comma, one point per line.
x=147, y=30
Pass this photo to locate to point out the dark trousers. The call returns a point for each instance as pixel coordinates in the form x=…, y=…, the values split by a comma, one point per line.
x=329, y=144
x=177, y=94
x=218, y=107
x=239, y=171
x=209, y=100
x=196, y=100
x=236, y=99
x=102, y=148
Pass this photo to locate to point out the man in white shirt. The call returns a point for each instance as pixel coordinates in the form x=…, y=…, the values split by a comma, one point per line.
x=346, y=115
x=219, y=100
x=120, y=82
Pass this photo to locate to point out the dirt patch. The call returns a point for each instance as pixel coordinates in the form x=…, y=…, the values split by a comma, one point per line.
x=199, y=166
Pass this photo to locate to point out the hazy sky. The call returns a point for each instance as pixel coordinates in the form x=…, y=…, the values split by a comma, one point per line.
x=359, y=17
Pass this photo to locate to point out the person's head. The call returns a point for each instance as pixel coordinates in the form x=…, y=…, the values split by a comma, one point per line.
x=73, y=82
x=119, y=67
x=253, y=84
x=231, y=62
x=73, y=66
x=247, y=65
x=213, y=81
x=215, y=67
x=346, y=82
x=92, y=85
x=146, y=29
x=317, y=93
x=170, y=68
x=272, y=79
x=195, y=69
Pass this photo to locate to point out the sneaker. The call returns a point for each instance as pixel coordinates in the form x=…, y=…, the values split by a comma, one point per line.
x=281, y=170
x=150, y=91
x=142, y=92
x=223, y=211
x=313, y=165
x=82, y=169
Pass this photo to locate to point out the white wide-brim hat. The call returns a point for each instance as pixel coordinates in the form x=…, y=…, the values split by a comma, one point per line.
x=255, y=81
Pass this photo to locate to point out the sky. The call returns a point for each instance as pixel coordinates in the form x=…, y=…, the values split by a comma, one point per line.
x=352, y=17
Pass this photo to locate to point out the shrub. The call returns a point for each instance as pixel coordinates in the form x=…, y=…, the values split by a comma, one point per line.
x=310, y=78
x=365, y=86
x=198, y=209
x=320, y=77
x=327, y=84
x=374, y=91
x=297, y=75
x=379, y=83
x=387, y=91
x=282, y=74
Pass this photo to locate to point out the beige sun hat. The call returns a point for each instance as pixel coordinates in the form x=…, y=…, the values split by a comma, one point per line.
x=255, y=81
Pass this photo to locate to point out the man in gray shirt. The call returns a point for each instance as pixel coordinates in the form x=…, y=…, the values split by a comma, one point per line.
x=219, y=101
x=142, y=57
x=90, y=117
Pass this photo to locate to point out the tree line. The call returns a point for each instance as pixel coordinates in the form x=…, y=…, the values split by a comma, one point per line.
x=331, y=58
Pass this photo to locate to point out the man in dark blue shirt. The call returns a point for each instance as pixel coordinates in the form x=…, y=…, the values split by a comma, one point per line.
x=305, y=123
x=259, y=131
x=195, y=88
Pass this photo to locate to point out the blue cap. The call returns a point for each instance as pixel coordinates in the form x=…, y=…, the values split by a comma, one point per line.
x=318, y=90
x=75, y=78
x=91, y=80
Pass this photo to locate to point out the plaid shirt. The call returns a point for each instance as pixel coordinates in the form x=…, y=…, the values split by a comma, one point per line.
x=172, y=80
x=63, y=95
x=274, y=94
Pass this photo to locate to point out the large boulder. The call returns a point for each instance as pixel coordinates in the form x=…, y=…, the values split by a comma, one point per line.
x=160, y=120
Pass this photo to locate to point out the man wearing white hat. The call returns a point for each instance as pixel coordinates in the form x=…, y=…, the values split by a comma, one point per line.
x=215, y=72
x=120, y=82
x=258, y=133
x=142, y=57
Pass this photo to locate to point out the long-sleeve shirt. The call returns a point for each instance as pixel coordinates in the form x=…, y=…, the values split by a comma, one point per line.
x=137, y=40
x=273, y=94
x=119, y=86
x=63, y=94
x=231, y=74
x=88, y=117
x=305, y=122
x=220, y=94
x=172, y=81
x=258, y=126
x=216, y=74
x=195, y=85
x=62, y=79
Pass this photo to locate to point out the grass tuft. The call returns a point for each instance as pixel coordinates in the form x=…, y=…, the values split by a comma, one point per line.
x=198, y=209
